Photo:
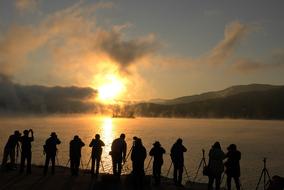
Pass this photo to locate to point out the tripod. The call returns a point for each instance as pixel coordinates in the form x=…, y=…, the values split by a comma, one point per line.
x=127, y=156
x=149, y=163
x=264, y=173
x=202, y=162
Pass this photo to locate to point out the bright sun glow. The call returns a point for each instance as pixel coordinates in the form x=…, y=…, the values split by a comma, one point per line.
x=111, y=89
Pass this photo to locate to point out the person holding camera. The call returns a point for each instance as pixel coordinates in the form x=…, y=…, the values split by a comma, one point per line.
x=26, y=153
x=75, y=147
x=50, y=151
x=9, y=150
x=233, y=166
x=216, y=166
x=177, y=156
x=97, y=150
x=118, y=154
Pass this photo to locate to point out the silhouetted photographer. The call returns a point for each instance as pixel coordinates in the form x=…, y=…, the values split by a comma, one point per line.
x=26, y=153
x=233, y=166
x=118, y=154
x=177, y=157
x=138, y=156
x=97, y=150
x=215, y=165
x=157, y=152
x=75, y=147
x=50, y=150
x=9, y=150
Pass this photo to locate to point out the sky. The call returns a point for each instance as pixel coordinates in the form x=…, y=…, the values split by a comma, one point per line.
x=146, y=49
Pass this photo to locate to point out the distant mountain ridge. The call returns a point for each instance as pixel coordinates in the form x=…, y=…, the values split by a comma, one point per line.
x=215, y=94
x=255, y=101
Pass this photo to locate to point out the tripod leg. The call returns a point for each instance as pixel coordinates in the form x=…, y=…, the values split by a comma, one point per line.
x=82, y=165
x=186, y=173
x=197, y=171
x=148, y=164
x=266, y=171
x=169, y=169
x=259, y=180
x=88, y=163
x=102, y=166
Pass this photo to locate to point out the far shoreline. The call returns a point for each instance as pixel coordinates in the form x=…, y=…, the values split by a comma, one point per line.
x=77, y=115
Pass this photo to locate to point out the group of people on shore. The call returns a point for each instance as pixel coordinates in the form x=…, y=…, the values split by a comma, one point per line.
x=119, y=156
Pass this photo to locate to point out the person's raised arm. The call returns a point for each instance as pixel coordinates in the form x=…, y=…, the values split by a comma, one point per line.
x=32, y=133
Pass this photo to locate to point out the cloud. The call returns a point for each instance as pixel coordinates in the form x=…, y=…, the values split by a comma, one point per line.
x=26, y=5
x=126, y=52
x=233, y=34
x=246, y=65
x=72, y=47
x=42, y=99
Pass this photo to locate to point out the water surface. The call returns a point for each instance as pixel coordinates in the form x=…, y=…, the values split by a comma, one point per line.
x=255, y=139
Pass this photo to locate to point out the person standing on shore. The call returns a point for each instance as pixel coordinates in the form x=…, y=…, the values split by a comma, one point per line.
x=233, y=166
x=138, y=156
x=26, y=153
x=216, y=166
x=9, y=150
x=75, y=147
x=97, y=150
x=50, y=150
x=177, y=157
x=157, y=152
x=118, y=154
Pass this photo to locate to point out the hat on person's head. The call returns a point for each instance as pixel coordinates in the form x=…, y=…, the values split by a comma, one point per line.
x=76, y=137
x=53, y=134
x=17, y=133
x=217, y=145
x=156, y=143
x=122, y=136
x=179, y=140
x=26, y=132
x=232, y=147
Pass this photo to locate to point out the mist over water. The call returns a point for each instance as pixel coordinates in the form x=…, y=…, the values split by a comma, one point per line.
x=255, y=139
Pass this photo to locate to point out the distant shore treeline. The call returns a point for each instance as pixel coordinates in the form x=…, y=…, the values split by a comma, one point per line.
x=254, y=101
x=267, y=104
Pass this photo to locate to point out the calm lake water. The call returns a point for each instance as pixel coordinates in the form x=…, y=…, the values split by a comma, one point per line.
x=255, y=139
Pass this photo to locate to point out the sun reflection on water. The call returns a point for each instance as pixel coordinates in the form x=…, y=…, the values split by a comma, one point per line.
x=107, y=135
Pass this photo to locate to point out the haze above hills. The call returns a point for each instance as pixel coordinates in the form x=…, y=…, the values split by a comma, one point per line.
x=261, y=101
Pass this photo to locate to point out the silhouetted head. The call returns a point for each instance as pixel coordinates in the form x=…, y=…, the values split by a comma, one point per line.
x=53, y=134
x=217, y=145
x=232, y=147
x=138, y=142
x=179, y=141
x=17, y=133
x=76, y=137
x=97, y=136
x=122, y=136
x=26, y=132
x=135, y=138
x=157, y=144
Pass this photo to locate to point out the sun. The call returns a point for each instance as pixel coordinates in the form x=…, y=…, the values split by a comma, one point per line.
x=112, y=87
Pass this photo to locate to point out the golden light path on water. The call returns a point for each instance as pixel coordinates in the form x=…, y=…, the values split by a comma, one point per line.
x=108, y=133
